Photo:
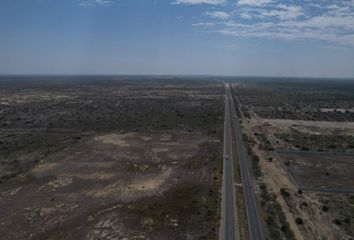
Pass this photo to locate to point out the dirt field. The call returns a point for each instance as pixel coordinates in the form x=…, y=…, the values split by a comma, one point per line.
x=97, y=189
x=324, y=171
x=314, y=127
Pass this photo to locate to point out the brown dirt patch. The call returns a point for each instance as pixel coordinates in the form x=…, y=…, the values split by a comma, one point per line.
x=92, y=190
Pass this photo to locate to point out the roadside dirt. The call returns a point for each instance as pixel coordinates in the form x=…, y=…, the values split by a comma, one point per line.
x=274, y=176
x=305, y=206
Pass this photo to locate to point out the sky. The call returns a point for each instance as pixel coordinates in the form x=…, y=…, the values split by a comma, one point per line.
x=285, y=38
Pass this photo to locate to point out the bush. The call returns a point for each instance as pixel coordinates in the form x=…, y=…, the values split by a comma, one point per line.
x=337, y=222
x=299, y=221
x=284, y=193
x=325, y=208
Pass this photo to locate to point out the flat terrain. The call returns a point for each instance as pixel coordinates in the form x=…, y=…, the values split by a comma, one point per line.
x=311, y=123
x=325, y=171
x=110, y=158
x=299, y=99
x=141, y=157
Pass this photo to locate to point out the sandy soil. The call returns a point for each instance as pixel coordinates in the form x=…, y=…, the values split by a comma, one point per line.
x=306, y=205
x=305, y=126
x=321, y=171
x=274, y=176
x=342, y=110
x=99, y=183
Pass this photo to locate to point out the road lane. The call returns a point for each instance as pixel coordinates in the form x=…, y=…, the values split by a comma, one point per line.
x=229, y=226
x=253, y=217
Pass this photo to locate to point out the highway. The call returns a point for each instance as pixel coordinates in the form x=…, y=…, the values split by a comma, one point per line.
x=253, y=217
x=229, y=226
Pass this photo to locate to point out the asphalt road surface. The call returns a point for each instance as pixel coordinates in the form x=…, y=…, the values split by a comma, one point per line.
x=228, y=230
x=254, y=223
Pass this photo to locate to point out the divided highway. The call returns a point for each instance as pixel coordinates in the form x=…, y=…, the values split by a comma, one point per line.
x=228, y=229
x=253, y=217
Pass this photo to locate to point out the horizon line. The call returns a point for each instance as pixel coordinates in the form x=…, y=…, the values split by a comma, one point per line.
x=173, y=75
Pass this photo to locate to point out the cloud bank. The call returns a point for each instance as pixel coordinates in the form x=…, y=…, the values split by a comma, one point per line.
x=327, y=21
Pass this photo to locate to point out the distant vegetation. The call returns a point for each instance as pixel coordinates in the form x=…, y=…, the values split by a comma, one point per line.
x=299, y=99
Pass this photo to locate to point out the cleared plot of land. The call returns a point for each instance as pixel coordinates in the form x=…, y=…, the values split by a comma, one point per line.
x=342, y=110
x=321, y=171
x=318, y=124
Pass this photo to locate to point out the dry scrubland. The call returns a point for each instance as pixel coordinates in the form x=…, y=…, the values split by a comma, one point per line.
x=110, y=158
x=318, y=171
x=311, y=124
x=140, y=157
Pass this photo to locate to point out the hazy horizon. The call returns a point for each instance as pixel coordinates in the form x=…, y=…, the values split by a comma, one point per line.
x=175, y=75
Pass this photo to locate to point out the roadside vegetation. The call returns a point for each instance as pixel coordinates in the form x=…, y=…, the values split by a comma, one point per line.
x=273, y=217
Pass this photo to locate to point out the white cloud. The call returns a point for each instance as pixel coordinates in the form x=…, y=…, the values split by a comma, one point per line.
x=195, y=2
x=218, y=14
x=284, y=12
x=95, y=2
x=329, y=22
x=246, y=15
x=204, y=24
x=328, y=30
x=325, y=21
x=254, y=2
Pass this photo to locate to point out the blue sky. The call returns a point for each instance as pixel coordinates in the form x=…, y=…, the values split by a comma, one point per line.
x=306, y=38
